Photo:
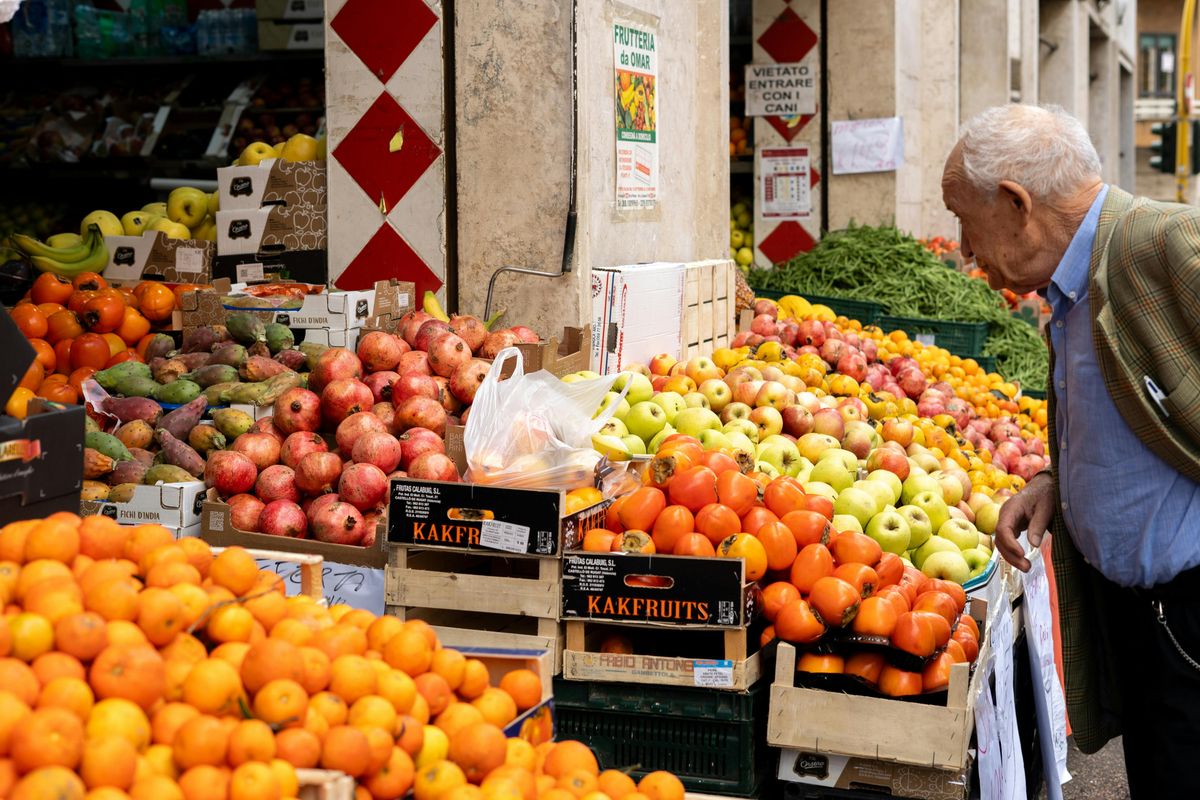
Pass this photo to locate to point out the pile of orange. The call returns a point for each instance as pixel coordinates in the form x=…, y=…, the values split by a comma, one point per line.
x=137, y=667
x=83, y=325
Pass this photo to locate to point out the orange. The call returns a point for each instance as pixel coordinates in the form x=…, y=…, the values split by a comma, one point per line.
x=235, y=569
x=254, y=781
x=438, y=778
x=108, y=762
x=82, y=635
x=113, y=600
x=199, y=554
x=340, y=640
x=200, y=740
x=49, y=666
x=524, y=687
x=156, y=788
x=271, y=659
x=268, y=609
x=232, y=653
x=458, y=716
x=372, y=711
x=346, y=749
x=160, y=615
x=12, y=540
x=32, y=635
x=497, y=706
x=661, y=785
x=72, y=694
x=317, y=669
x=435, y=690
x=410, y=651
x=214, y=687
x=451, y=665
x=285, y=773
x=119, y=717
x=49, y=737
x=231, y=623
x=381, y=744
x=394, y=779
x=54, y=598
x=205, y=782
x=352, y=677
x=381, y=630
x=13, y=712
x=168, y=719
x=330, y=706
x=130, y=671
x=282, y=702
x=478, y=749
x=54, y=540
x=144, y=539
x=579, y=783
x=49, y=783
x=251, y=740
x=569, y=756
x=616, y=784
x=507, y=781
x=172, y=574
x=299, y=747
x=18, y=678
x=399, y=689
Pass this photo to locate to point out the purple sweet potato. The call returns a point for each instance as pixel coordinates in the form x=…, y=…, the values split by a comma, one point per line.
x=181, y=421
x=179, y=453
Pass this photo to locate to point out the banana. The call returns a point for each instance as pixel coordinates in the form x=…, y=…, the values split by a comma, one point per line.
x=95, y=261
x=65, y=255
x=433, y=308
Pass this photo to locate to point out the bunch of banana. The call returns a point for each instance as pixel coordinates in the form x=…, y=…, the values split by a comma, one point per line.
x=793, y=306
x=90, y=255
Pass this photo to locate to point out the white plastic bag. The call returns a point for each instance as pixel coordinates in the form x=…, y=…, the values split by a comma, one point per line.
x=534, y=431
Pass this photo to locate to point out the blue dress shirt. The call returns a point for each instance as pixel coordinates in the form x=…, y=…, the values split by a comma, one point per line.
x=1131, y=515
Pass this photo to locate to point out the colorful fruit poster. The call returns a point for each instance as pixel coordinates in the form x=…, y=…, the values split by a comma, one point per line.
x=635, y=49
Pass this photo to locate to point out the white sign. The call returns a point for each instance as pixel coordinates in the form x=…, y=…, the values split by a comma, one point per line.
x=1047, y=692
x=247, y=273
x=635, y=83
x=868, y=145
x=504, y=536
x=780, y=90
x=357, y=587
x=987, y=740
x=1006, y=708
x=712, y=674
x=785, y=185
x=189, y=259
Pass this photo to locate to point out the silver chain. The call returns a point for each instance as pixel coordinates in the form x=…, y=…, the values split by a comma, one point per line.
x=1162, y=620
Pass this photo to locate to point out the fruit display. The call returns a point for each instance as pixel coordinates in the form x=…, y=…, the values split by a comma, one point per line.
x=741, y=235
x=36, y=219
x=137, y=666
x=296, y=147
x=739, y=137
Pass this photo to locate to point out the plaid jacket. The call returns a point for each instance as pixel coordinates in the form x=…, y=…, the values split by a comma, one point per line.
x=1145, y=302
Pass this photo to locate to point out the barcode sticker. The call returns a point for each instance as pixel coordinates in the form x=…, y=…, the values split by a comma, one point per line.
x=247, y=273
x=189, y=259
x=713, y=674
x=504, y=536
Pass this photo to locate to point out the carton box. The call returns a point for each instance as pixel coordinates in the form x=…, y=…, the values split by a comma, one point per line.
x=172, y=505
x=276, y=35
x=465, y=516
x=341, y=311
x=673, y=591
x=272, y=182
x=290, y=9
x=636, y=313
x=131, y=258
x=334, y=337
x=41, y=460
x=269, y=230
x=830, y=771
x=305, y=266
x=571, y=353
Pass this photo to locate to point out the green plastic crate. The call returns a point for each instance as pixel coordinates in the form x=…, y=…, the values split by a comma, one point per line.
x=864, y=311
x=965, y=339
x=715, y=741
x=986, y=363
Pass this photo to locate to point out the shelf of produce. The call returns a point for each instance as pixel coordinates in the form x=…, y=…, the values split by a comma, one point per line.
x=864, y=311
x=965, y=339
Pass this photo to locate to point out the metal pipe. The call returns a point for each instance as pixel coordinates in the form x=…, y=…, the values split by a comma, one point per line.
x=572, y=210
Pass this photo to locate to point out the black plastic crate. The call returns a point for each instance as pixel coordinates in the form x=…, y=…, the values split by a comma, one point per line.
x=864, y=311
x=965, y=339
x=715, y=741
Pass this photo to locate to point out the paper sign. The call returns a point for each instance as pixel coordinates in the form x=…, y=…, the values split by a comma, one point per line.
x=785, y=191
x=780, y=90
x=357, y=587
x=713, y=674
x=926, y=338
x=635, y=52
x=1006, y=707
x=505, y=536
x=247, y=273
x=1047, y=694
x=868, y=145
x=987, y=741
x=189, y=259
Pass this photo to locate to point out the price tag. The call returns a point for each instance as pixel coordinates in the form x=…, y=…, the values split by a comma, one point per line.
x=189, y=259
x=248, y=273
x=504, y=536
x=926, y=338
x=713, y=674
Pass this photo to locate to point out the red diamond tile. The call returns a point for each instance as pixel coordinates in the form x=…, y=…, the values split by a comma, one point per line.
x=788, y=39
x=364, y=152
x=387, y=256
x=787, y=240
x=780, y=124
x=383, y=33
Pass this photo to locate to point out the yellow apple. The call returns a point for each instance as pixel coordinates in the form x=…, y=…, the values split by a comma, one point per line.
x=187, y=206
x=214, y=204
x=206, y=231
x=136, y=221
x=159, y=209
x=254, y=153
x=300, y=147
x=62, y=240
x=108, y=222
x=321, y=148
x=173, y=230
x=278, y=148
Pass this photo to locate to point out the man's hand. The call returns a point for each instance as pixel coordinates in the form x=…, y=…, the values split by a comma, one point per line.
x=1029, y=510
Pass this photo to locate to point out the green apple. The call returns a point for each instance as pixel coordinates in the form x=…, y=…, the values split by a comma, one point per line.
x=106, y=220
x=781, y=454
x=813, y=444
x=916, y=483
x=254, y=153
x=655, y=443
x=831, y=471
x=907, y=561
x=947, y=565
x=934, y=507
x=740, y=441
x=819, y=488
x=934, y=544
x=714, y=440
x=977, y=559
x=919, y=526
x=767, y=469
x=952, y=490
x=961, y=532
x=986, y=518
x=614, y=427
x=882, y=493
x=697, y=400
x=622, y=407
x=742, y=426
x=690, y=421
x=891, y=480
x=611, y=447
x=856, y=503
x=187, y=206
x=890, y=529
x=646, y=420
x=670, y=402
x=848, y=459
x=635, y=444
x=846, y=522
x=718, y=393
x=639, y=387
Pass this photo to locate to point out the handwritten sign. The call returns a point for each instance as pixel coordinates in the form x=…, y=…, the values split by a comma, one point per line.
x=1006, y=708
x=987, y=740
x=868, y=145
x=780, y=90
x=1047, y=693
x=357, y=587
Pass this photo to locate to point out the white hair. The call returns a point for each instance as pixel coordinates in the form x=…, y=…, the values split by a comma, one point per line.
x=1042, y=148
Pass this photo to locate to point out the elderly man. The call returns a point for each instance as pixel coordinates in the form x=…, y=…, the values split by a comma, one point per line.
x=1122, y=275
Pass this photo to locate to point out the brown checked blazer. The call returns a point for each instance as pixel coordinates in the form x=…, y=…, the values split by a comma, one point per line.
x=1145, y=301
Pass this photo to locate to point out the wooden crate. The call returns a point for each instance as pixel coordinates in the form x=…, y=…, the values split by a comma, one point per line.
x=312, y=568
x=325, y=784
x=709, y=315
x=583, y=661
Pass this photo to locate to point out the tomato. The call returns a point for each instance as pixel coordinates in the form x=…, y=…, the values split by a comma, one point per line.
x=62, y=325
x=821, y=663
x=756, y=517
x=156, y=302
x=937, y=672
x=90, y=350
x=954, y=590
x=718, y=461
x=694, y=544
x=852, y=547
x=808, y=527
x=867, y=666
x=860, y=576
x=746, y=547
x=717, y=522
x=134, y=327
x=779, y=544
x=939, y=603
x=876, y=617
x=835, y=600
x=889, y=569
x=820, y=504
x=30, y=321
x=641, y=509
x=899, y=683
x=89, y=281
x=633, y=541
x=783, y=496
x=736, y=491
x=673, y=522
x=776, y=596
x=797, y=623
x=694, y=488
x=812, y=563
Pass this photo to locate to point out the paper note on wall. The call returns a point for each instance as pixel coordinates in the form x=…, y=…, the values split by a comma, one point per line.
x=868, y=145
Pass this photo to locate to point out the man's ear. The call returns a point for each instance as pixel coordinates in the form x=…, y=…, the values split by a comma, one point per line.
x=1016, y=197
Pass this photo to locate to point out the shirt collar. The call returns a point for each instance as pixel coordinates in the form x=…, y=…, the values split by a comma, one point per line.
x=1070, y=278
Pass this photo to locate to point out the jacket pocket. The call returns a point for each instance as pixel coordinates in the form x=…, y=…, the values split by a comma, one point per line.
x=1183, y=404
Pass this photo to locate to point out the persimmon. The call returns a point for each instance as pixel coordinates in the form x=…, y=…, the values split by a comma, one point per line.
x=896, y=597
x=967, y=621
x=812, y=563
x=78, y=300
x=939, y=603
x=852, y=547
x=673, y=522
x=914, y=633
x=666, y=464
x=796, y=622
x=124, y=355
x=936, y=674
x=156, y=302
x=968, y=643
x=598, y=540
x=899, y=683
x=821, y=663
x=89, y=281
x=641, y=508
x=956, y=651
x=50, y=288
x=876, y=617
x=45, y=354
x=775, y=596
x=59, y=393
x=955, y=591
x=736, y=491
x=717, y=522
x=62, y=356
x=103, y=313
x=133, y=327
x=866, y=666
x=612, y=517
x=835, y=600
x=820, y=504
x=184, y=288
x=718, y=462
x=756, y=517
x=783, y=496
x=90, y=350
x=33, y=377
x=693, y=544
x=808, y=527
x=633, y=541
x=747, y=547
x=860, y=576
x=30, y=320
x=779, y=544
x=694, y=488
x=889, y=569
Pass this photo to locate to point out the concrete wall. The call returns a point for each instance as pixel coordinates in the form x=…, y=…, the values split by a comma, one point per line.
x=513, y=70
x=984, y=47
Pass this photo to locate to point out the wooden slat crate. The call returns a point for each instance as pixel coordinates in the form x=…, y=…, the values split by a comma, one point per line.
x=312, y=568
x=325, y=784
x=709, y=298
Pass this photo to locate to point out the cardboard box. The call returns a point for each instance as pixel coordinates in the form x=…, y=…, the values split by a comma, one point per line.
x=636, y=313
x=172, y=505
x=890, y=779
x=334, y=337
x=273, y=182
x=41, y=459
x=290, y=9
x=674, y=591
x=537, y=724
x=131, y=258
x=217, y=529
x=465, y=516
x=275, y=35
x=273, y=229
x=559, y=357
x=304, y=266
x=325, y=311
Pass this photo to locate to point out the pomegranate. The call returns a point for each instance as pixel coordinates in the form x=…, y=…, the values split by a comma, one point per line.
x=470, y=329
x=314, y=505
x=267, y=425
x=318, y=472
x=353, y=427
x=414, y=385
x=833, y=350
x=277, y=482
x=343, y=397
x=336, y=363
x=763, y=325
x=300, y=444
x=524, y=334
x=283, y=518
x=297, y=410
x=416, y=361
x=465, y=381
x=446, y=397
x=765, y=306
x=420, y=412
x=463, y=419
x=338, y=523
x=370, y=528
x=230, y=472
x=244, y=511
x=380, y=384
x=363, y=486
x=495, y=342
x=378, y=448
x=397, y=474
x=429, y=331
x=447, y=353
x=410, y=323
x=417, y=442
x=433, y=467
x=386, y=412
x=261, y=448
x=379, y=351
